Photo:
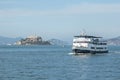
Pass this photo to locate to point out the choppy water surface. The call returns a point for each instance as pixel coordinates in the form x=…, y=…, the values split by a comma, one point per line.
x=55, y=63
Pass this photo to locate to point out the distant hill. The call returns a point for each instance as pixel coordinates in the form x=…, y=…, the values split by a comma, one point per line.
x=114, y=41
x=58, y=42
x=7, y=40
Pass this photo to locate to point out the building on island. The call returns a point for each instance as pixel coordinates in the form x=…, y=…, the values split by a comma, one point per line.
x=32, y=40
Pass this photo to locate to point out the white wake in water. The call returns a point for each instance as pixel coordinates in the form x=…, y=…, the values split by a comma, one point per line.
x=79, y=54
x=71, y=53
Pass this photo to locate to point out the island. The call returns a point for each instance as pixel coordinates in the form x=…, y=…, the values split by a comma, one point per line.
x=32, y=40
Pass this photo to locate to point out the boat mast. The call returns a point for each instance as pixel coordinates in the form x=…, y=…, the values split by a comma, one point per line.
x=83, y=32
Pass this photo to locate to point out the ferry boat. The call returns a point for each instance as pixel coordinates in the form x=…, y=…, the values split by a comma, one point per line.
x=89, y=44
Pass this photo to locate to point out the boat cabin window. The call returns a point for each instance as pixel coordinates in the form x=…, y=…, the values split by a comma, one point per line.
x=100, y=43
x=96, y=40
x=81, y=42
x=92, y=47
x=99, y=48
x=105, y=48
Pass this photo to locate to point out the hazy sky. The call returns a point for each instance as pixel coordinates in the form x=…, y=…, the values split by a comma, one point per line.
x=60, y=19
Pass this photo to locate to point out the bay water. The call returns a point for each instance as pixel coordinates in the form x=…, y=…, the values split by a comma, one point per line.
x=56, y=63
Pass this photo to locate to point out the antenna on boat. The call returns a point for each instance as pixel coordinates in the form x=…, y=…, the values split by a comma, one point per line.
x=83, y=32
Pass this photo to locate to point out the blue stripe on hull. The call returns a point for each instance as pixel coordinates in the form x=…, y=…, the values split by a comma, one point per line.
x=88, y=51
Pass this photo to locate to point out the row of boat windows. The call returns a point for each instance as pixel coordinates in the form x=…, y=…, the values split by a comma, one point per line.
x=100, y=43
x=98, y=48
x=81, y=42
x=91, y=43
